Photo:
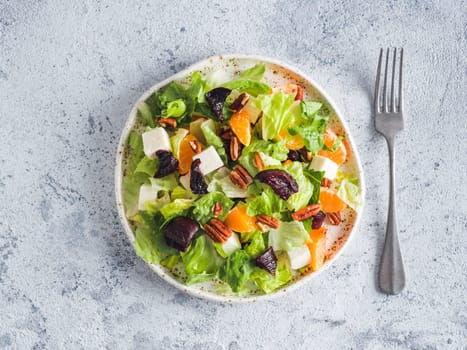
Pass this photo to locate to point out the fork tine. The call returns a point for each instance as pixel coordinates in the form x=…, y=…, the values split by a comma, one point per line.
x=393, y=85
x=376, y=103
x=399, y=108
x=385, y=93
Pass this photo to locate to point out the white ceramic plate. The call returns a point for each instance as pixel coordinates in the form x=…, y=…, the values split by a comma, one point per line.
x=277, y=73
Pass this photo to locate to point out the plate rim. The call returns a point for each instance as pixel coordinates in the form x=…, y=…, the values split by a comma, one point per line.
x=118, y=177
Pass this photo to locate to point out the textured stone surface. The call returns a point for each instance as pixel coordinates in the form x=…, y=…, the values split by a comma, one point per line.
x=69, y=74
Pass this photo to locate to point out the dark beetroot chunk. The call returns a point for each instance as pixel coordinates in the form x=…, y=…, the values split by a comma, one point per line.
x=216, y=98
x=280, y=181
x=318, y=220
x=167, y=163
x=180, y=232
x=198, y=184
x=293, y=155
x=267, y=261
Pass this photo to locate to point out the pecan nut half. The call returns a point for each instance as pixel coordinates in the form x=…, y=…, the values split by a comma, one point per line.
x=258, y=161
x=234, y=148
x=266, y=220
x=240, y=102
x=240, y=177
x=195, y=146
x=334, y=218
x=167, y=122
x=306, y=212
x=217, y=230
x=217, y=209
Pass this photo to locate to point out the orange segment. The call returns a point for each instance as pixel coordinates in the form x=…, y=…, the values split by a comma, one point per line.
x=291, y=142
x=238, y=220
x=240, y=123
x=340, y=154
x=186, y=154
x=317, y=247
x=330, y=201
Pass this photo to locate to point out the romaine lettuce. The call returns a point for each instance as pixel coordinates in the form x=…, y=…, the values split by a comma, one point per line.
x=288, y=235
x=312, y=128
x=256, y=245
x=144, y=111
x=213, y=140
x=200, y=260
x=236, y=270
x=175, y=109
x=305, y=188
x=269, y=283
x=149, y=241
x=175, y=208
x=315, y=178
x=203, y=206
x=268, y=203
x=254, y=73
x=349, y=191
x=276, y=150
x=250, y=86
x=276, y=113
x=147, y=166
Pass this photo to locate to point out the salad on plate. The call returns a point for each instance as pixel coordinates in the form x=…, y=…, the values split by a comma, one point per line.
x=231, y=181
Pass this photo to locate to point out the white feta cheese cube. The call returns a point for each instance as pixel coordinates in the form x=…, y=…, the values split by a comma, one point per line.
x=210, y=160
x=155, y=140
x=299, y=257
x=185, y=181
x=146, y=194
x=231, y=245
x=321, y=163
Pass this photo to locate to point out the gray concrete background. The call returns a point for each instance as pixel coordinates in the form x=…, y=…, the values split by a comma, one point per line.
x=69, y=74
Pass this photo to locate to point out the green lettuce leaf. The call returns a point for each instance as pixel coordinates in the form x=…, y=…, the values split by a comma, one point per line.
x=144, y=111
x=349, y=191
x=175, y=208
x=309, y=108
x=236, y=270
x=220, y=182
x=315, y=178
x=276, y=150
x=268, y=203
x=175, y=109
x=166, y=183
x=200, y=260
x=133, y=180
x=203, y=206
x=305, y=188
x=147, y=166
x=256, y=245
x=197, y=88
x=250, y=86
x=213, y=140
x=149, y=241
x=276, y=113
x=254, y=73
x=289, y=235
x=170, y=261
x=269, y=283
x=313, y=127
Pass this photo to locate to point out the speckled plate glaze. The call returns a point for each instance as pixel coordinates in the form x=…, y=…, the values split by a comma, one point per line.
x=277, y=73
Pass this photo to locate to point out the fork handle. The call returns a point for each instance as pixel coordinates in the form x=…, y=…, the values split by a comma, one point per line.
x=391, y=271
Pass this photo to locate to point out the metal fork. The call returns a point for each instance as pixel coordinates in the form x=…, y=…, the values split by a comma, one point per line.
x=389, y=121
